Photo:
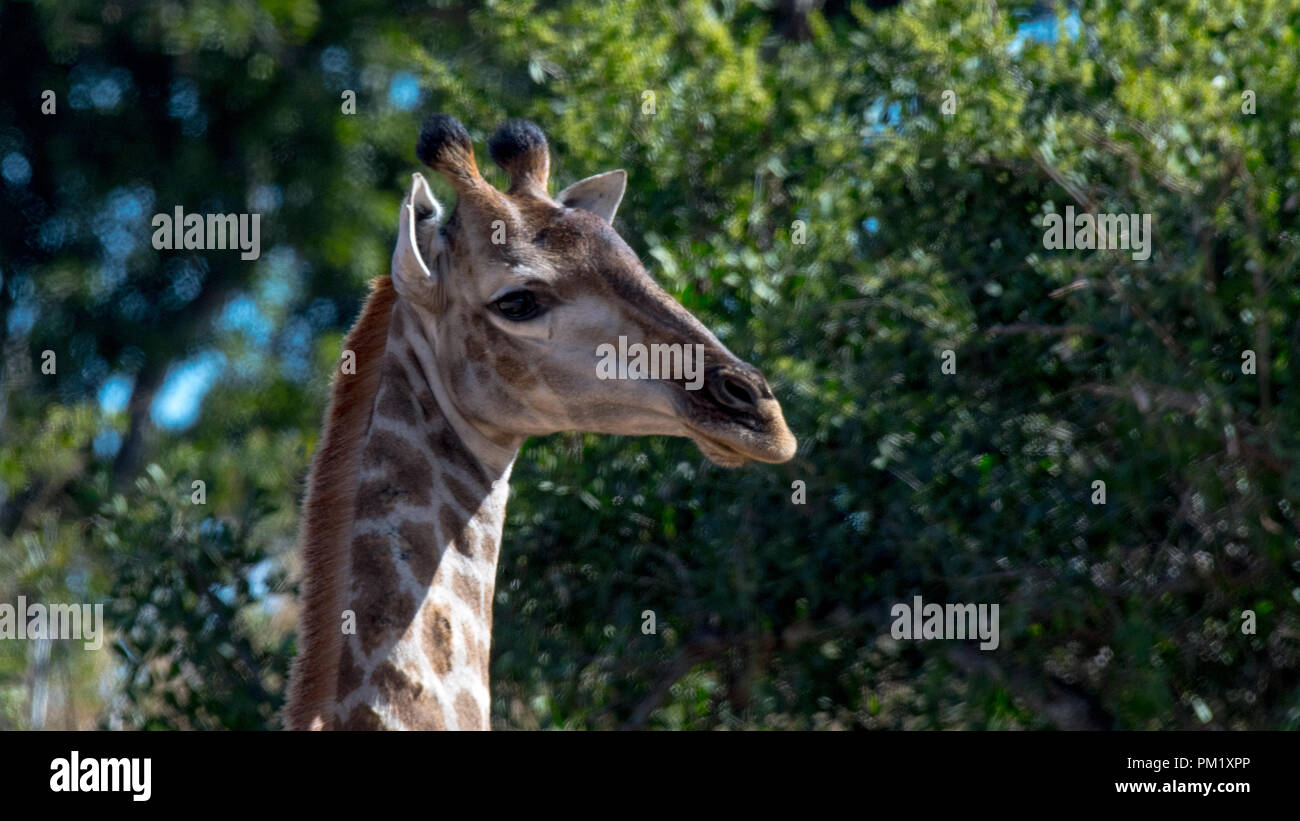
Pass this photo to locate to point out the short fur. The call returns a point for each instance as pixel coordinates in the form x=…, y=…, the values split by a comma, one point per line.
x=328, y=514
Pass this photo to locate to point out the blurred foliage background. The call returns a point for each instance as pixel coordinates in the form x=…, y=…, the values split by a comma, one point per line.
x=735, y=120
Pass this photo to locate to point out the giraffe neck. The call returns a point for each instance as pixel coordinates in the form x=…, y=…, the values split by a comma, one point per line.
x=430, y=505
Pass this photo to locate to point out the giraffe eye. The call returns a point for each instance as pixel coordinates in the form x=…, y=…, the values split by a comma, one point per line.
x=518, y=305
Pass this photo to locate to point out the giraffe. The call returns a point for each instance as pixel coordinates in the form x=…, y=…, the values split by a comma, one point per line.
x=485, y=333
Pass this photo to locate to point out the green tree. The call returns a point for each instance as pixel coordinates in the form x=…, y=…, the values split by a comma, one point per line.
x=843, y=196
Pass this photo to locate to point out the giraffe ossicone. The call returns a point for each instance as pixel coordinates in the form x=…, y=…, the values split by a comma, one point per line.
x=468, y=348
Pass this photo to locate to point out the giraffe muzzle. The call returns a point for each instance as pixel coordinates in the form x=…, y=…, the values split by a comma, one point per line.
x=739, y=419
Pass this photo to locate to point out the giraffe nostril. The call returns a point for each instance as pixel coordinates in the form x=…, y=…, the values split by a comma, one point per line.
x=739, y=391
x=734, y=393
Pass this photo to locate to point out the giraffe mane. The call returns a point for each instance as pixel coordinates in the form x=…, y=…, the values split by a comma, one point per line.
x=329, y=511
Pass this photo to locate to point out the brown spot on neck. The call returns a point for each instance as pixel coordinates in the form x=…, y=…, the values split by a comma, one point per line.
x=468, y=500
x=468, y=716
x=421, y=549
x=469, y=591
x=383, y=609
x=437, y=643
x=406, y=468
x=416, y=708
x=362, y=717
x=456, y=528
x=350, y=675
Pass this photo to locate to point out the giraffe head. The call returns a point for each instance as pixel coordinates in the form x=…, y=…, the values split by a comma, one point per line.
x=523, y=299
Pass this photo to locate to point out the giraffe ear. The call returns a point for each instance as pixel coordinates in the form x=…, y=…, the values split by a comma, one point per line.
x=600, y=194
x=420, y=244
